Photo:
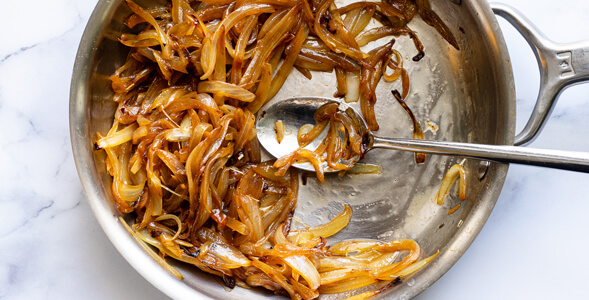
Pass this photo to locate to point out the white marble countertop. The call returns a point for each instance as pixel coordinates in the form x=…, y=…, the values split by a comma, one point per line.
x=533, y=246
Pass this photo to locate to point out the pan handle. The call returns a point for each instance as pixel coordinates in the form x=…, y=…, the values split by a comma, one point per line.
x=561, y=66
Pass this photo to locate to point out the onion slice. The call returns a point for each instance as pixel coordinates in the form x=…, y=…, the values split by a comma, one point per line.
x=303, y=266
x=455, y=172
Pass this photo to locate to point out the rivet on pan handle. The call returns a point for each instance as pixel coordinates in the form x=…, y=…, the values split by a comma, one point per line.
x=561, y=65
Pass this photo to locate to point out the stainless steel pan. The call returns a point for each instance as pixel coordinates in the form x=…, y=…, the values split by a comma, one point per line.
x=464, y=96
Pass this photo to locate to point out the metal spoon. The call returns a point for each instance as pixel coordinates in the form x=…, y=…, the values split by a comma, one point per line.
x=297, y=112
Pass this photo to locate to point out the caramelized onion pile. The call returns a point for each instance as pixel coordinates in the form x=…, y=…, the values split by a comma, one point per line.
x=183, y=152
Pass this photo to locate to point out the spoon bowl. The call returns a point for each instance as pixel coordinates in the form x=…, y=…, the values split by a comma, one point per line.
x=294, y=113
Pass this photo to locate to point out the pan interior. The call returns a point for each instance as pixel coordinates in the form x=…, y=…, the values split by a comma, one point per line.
x=462, y=96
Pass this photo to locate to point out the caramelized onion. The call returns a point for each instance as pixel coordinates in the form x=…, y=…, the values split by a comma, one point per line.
x=116, y=138
x=279, y=128
x=417, y=131
x=183, y=153
x=455, y=172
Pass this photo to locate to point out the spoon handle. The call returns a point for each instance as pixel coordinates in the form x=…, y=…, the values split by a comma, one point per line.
x=566, y=160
